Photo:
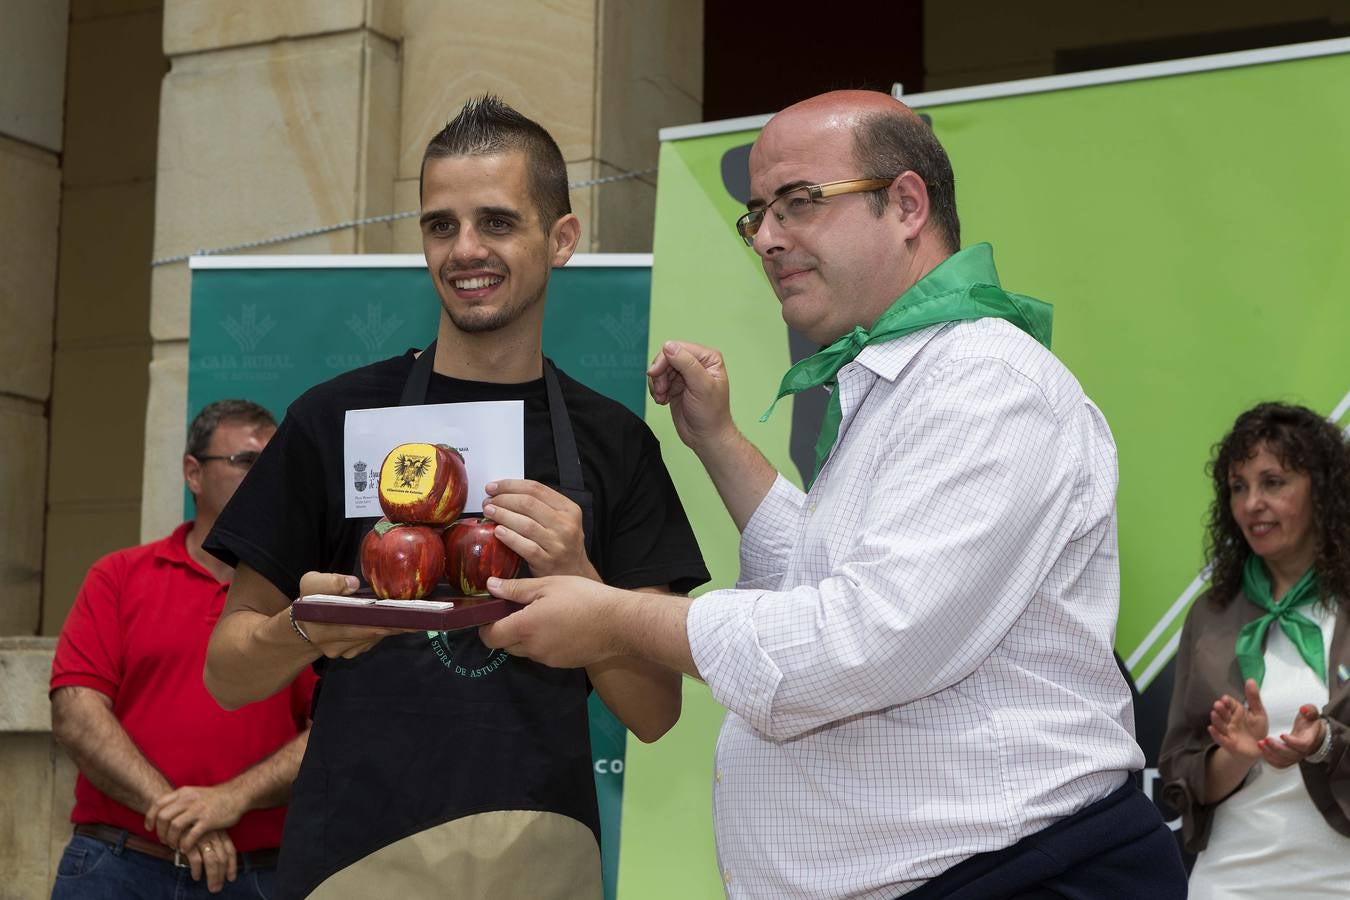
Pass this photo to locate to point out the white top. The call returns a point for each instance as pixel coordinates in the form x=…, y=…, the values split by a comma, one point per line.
x=1268, y=840
x=918, y=658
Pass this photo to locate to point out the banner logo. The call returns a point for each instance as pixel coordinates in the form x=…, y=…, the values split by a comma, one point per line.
x=360, y=476
x=627, y=330
x=248, y=330
x=375, y=330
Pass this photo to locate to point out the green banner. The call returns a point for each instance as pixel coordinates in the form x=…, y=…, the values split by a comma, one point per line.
x=1190, y=231
x=269, y=333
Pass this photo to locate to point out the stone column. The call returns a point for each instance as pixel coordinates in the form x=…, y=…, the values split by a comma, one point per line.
x=602, y=77
x=650, y=77
x=32, y=87
x=274, y=117
x=38, y=776
x=102, y=353
x=32, y=84
x=540, y=58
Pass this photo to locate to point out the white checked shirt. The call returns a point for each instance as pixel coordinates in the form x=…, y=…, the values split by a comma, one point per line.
x=917, y=660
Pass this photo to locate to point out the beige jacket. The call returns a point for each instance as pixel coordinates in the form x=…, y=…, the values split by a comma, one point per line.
x=1206, y=669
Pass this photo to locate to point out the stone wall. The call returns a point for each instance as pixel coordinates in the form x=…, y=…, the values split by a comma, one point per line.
x=274, y=118
x=32, y=89
x=102, y=332
x=79, y=88
x=38, y=776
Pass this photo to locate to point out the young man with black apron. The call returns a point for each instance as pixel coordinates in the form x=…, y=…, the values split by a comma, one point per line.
x=438, y=767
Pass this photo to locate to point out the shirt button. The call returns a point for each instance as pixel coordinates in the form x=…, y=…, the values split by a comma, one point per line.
x=726, y=877
x=718, y=776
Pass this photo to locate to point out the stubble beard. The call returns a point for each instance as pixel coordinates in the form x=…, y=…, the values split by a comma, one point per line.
x=481, y=321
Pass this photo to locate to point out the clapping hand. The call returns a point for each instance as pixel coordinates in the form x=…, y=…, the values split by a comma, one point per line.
x=1240, y=729
x=1304, y=738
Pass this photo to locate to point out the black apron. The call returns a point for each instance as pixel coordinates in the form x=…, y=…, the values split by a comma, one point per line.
x=433, y=737
x=570, y=483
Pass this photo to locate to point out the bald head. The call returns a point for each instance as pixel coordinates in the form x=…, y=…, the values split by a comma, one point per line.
x=885, y=138
x=844, y=109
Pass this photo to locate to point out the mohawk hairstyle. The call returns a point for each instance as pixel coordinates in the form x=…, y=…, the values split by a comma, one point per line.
x=487, y=126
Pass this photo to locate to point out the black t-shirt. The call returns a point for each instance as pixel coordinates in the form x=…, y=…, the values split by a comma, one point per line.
x=432, y=728
x=288, y=516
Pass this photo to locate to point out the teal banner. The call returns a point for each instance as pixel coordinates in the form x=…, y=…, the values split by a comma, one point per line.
x=268, y=333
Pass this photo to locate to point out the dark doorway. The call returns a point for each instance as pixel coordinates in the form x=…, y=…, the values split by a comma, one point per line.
x=759, y=58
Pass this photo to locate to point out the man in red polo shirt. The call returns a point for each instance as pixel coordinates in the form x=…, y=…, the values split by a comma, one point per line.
x=176, y=797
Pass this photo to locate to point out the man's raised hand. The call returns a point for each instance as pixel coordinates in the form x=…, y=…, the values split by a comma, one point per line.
x=692, y=380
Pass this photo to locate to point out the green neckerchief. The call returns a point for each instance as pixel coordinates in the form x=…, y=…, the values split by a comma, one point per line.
x=1304, y=632
x=964, y=286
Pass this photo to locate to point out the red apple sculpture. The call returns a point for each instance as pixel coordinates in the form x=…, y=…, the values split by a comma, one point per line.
x=402, y=562
x=473, y=553
x=423, y=484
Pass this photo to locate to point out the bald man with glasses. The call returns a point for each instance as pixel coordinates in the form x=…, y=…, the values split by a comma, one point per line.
x=917, y=659
x=176, y=798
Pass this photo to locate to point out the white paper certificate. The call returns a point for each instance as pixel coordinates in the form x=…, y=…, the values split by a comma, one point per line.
x=490, y=435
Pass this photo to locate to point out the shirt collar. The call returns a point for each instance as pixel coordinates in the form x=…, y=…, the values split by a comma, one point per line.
x=173, y=550
x=889, y=358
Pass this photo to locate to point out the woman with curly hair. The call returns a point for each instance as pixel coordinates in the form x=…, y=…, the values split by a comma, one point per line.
x=1268, y=644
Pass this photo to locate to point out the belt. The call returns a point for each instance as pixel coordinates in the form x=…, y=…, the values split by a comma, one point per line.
x=254, y=859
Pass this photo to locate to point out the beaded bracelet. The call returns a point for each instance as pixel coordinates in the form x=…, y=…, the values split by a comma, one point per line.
x=295, y=626
x=1322, y=752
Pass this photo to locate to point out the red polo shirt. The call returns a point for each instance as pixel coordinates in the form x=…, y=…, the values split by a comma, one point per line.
x=138, y=633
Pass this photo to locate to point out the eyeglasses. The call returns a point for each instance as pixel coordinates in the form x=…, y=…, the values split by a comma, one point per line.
x=799, y=205
x=244, y=459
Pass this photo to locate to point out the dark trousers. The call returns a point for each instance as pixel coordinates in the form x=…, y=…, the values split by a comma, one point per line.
x=1117, y=848
x=91, y=869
